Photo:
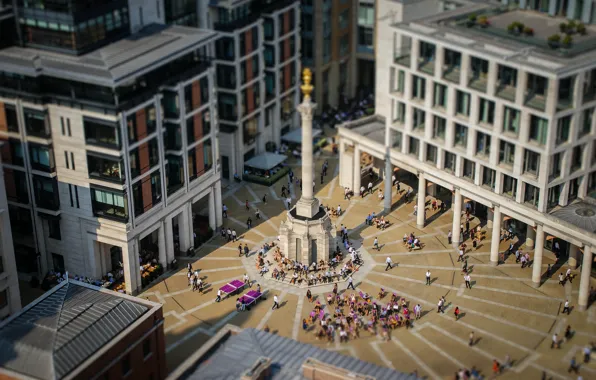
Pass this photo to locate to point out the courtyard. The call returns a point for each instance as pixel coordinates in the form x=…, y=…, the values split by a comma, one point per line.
x=506, y=313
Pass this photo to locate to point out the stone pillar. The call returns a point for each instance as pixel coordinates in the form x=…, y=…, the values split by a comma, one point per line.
x=132, y=271
x=552, y=8
x=305, y=110
x=530, y=236
x=538, y=250
x=218, y=204
x=586, y=14
x=456, y=229
x=489, y=218
x=184, y=230
x=388, y=201
x=191, y=229
x=421, y=200
x=169, y=234
x=357, y=175
x=584, y=281
x=496, y=236
x=573, y=256
x=212, y=209
x=161, y=243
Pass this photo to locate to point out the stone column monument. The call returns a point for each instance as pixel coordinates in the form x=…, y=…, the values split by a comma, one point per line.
x=308, y=234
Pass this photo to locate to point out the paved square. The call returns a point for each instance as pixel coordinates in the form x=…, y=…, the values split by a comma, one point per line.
x=508, y=316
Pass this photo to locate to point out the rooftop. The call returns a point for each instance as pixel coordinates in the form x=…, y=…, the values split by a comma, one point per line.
x=372, y=127
x=495, y=39
x=236, y=353
x=581, y=214
x=55, y=334
x=113, y=64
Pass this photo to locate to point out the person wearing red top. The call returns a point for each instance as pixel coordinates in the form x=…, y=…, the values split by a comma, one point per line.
x=456, y=313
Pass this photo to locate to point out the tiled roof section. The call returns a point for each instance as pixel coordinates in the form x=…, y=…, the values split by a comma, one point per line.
x=239, y=352
x=52, y=338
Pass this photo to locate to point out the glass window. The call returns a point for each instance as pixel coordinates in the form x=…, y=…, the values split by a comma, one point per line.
x=486, y=111
x=482, y=144
x=577, y=155
x=439, y=127
x=101, y=133
x=344, y=18
x=418, y=119
x=366, y=36
x=531, y=195
x=587, y=118
x=554, y=193
x=46, y=192
x=461, y=135
x=146, y=193
x=511, y=120
x=174, y=173
x=141, y=124
x=105, y=168
x=396, y=138
x=431, y=154
x=35, y=123
x=440, y=99
x=143, y=158
x=506, y=153
x=462, y=105
x=555, y=166
x=401, y=81
x=399, y=112
x=509, y=186
x=366, y=14
x=42, y=157
x=563, y=127
x=538, y=129
x=450, y=162
x=531, y=162
x=414, y=146
x=12, y=123
x=469, y=169
x=489, y=177
x=418, y=87
x=198, y=126
x=200, y=159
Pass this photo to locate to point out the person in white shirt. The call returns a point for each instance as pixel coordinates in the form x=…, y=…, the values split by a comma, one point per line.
x=461, y=255
x=440, y=306
x=234, y=236
x=275, y=303
x=376, y=245
x=555, y=342
x=370, y=187
x=389, y=264
x=415, y=209
x=428, y=277
x=246, y=279
x=350, y=283
x=568, y=275
x=566, y=307
x=418, y=311
x=218, y=295
x=338, y=210
x=467, y=280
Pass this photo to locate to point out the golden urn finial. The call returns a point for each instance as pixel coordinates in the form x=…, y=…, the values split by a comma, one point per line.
x=306, y=79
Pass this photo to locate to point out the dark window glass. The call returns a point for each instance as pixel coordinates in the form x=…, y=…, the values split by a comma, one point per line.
x=101, y=133
x=105, y=168
x=109, y=204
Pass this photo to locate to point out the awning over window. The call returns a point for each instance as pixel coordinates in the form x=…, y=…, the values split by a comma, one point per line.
x=266, y=161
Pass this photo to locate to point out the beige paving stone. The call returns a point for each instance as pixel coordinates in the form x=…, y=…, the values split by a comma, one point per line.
x=282, y=320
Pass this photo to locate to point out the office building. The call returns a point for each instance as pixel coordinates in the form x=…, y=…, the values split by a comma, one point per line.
x=111, y=157
x=78, y=331
x=257, y=60
x=10, y=296
x=498, y=114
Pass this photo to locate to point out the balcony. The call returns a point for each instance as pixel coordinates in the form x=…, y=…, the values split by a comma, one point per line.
x=536, y=101
x=403, y=57
x=105, y=168
x=451, y=67
x=478, y=82
x=102, y=133
x=506, y=92
x=426, y=65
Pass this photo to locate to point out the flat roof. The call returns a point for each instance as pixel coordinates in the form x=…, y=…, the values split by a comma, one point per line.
x=372, y=127
x=114, y=64
x=239, y=352
x=295, y=136
x=581, y=214
x=266, y=161
x=63, y=328
x=495, y=41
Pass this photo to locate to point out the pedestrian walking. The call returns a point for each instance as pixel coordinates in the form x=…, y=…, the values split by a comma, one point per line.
x=249, y=223
x=417, y=311
x=265, y=198
x=350, y=283
x=218, y=295
x=240, y=250
x=246, y=250
x=289, y=201
x=548, y=271
x=566, y=307
x=234, y=235
x=428, y=277
x=275, y=303
x=389, y=264
x=440, y=305
x=224, y=211
x=573, y=367
x=561, y=279
x=370, y=188
x=283, y=191
x=555, y=342
x=258, y=214
x=376, y=244
x=456, y=312
x=464, y=269
x=568, y=276
x=471, y=339
x=468, y=281
x=246, y=205
x=449, y=237
x=461, y=254
x=322, y=178
x=587, y=354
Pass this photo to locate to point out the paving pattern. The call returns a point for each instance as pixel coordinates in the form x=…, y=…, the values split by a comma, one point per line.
x=508, y=316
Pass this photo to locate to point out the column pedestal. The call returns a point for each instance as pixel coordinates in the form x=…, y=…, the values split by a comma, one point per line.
x=496, y=237
x=538, y=252
x=357, y=174
x=574, y=256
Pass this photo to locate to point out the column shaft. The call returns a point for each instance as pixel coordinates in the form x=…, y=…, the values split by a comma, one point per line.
x=388, y=184
x=161, y=243
x=573, y=256
x=530, y=236
x=218, y=204
x=184, y=230
x=131, y=265
x=496, y=236
x=456, y=229
x=357, y=175
x=421, y=200
x=169, y=233
x=212, y=209
x=538, y=251
x=307, y=156
x=584, y=281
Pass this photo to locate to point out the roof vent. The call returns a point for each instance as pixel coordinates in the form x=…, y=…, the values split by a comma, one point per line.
x=261, y=370
x=313, y=369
